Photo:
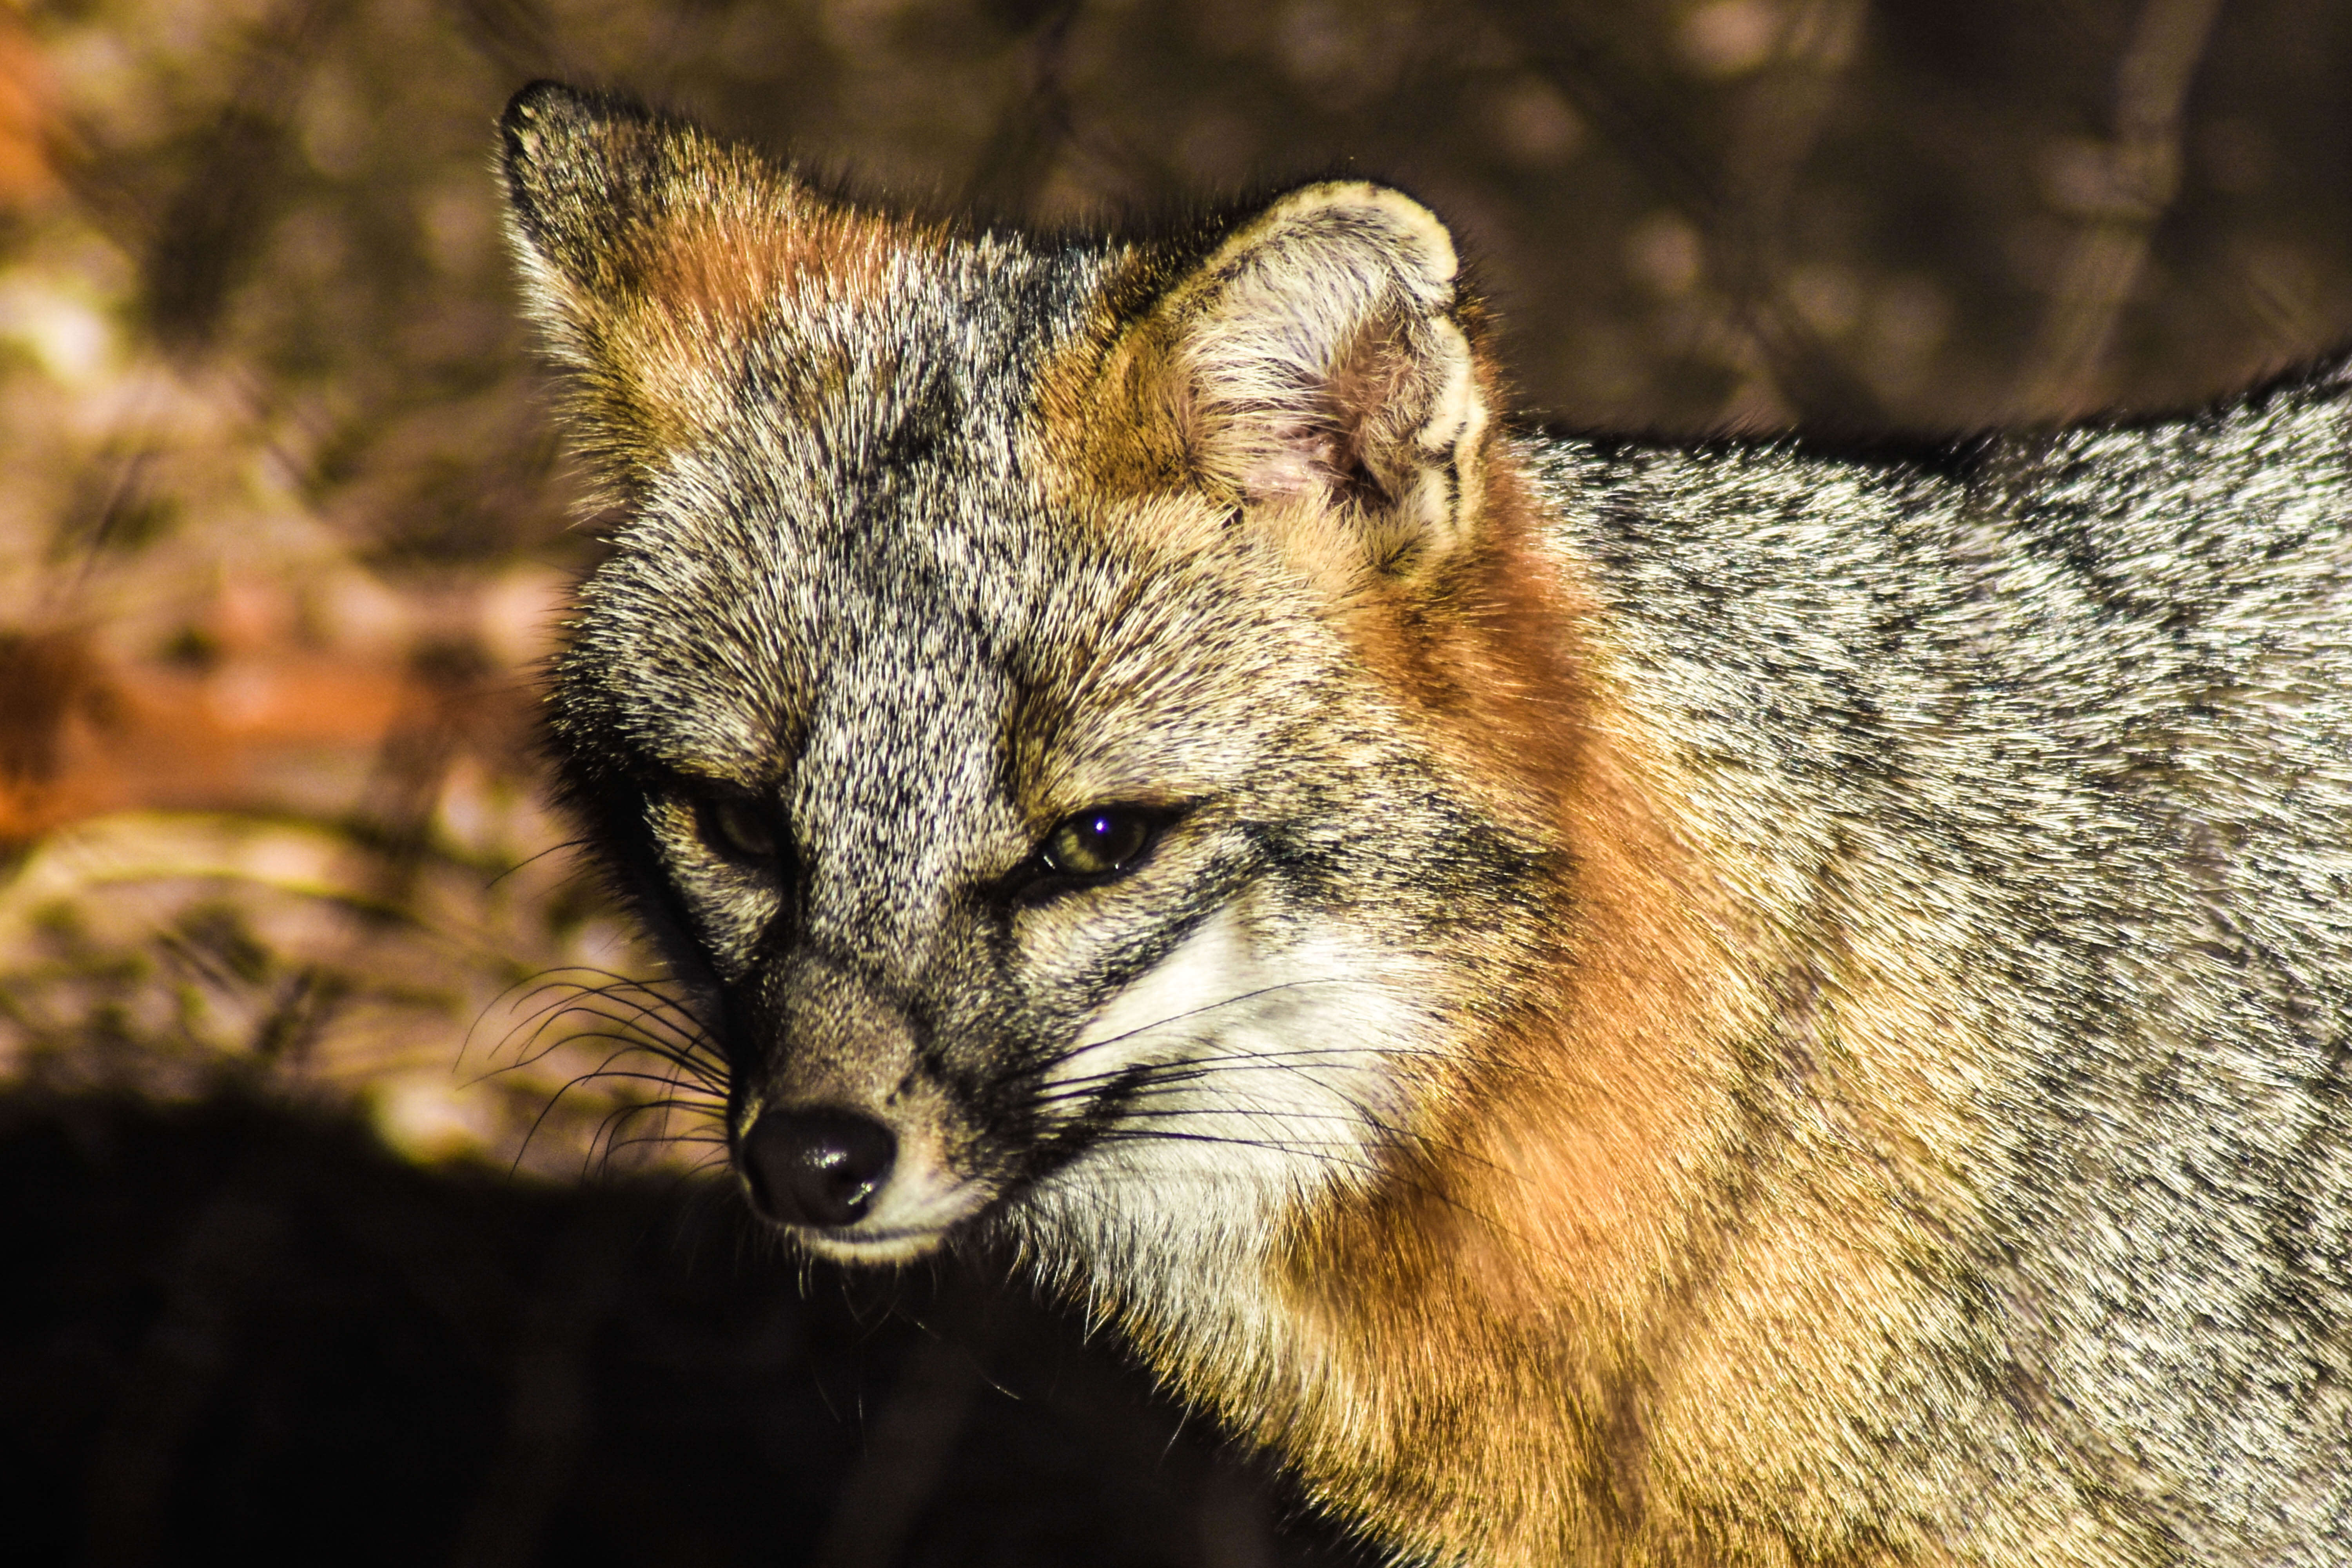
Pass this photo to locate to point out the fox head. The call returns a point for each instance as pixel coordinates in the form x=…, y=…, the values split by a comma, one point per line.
x=1056, y=704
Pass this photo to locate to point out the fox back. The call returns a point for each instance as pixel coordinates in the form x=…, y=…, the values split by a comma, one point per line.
x=1615, y=1003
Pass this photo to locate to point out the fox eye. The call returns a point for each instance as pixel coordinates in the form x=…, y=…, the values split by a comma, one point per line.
x=738, y=829
x=1098, y=843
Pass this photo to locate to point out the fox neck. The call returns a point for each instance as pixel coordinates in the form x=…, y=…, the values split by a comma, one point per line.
x=1625, y=1279
x=1481, y=1296
x=1497, y=1298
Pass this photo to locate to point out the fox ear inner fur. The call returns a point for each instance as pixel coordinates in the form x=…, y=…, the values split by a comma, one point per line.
x=1317, y=362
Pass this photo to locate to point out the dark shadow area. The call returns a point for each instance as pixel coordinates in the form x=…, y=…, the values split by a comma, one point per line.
x=243, y=1334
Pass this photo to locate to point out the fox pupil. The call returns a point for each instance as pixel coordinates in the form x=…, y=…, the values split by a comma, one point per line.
x=1096, y=843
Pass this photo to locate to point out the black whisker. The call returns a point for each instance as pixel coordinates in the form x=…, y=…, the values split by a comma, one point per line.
x=533, y=860
x=1297, y=1059
x=1078, y=1051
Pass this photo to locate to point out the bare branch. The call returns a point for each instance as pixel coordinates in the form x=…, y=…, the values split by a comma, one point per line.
x=1738, y=210
x=2139, y=177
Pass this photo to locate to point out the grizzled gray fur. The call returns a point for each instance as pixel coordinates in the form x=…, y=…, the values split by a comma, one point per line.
x=1732, y=1003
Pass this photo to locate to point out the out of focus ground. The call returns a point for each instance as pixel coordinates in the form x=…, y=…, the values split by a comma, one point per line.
x=299, y=987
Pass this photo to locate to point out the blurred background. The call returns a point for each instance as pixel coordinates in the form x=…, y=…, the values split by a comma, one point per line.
x=330, y=1231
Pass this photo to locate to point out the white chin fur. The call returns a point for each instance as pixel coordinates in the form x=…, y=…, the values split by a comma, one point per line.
x=921, y=1207
x=866, y=1250
x=1274, y=1084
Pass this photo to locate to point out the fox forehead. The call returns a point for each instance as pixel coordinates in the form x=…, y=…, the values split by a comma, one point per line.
x=942, y=639
x=879, y=552
x=785, y=659
x=920, y=702
x=867, y=502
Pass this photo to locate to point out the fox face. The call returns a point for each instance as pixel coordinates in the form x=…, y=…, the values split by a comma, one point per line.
x=1013, y=700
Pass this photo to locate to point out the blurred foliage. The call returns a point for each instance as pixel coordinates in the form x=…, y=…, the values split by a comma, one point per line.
x=286, y=529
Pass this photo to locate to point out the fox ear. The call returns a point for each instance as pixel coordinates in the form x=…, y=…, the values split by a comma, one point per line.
x=656, y=261
x=588, y=178
x=1319, y=359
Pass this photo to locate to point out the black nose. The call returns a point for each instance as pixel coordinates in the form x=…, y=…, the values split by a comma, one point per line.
x=818, y=1166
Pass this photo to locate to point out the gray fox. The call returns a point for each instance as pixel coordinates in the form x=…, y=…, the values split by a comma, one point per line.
x=1617, y=1003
